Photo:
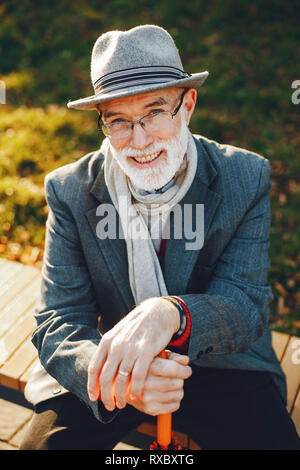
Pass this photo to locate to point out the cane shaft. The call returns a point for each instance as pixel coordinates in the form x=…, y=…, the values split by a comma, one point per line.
x=164, y=423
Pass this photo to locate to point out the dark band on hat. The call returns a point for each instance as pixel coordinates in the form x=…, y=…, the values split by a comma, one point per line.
x=138, y=76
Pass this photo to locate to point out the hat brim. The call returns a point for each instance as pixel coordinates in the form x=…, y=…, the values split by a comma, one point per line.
x=89, y=103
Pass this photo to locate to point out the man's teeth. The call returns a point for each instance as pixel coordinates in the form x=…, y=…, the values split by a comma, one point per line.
x=147, y=158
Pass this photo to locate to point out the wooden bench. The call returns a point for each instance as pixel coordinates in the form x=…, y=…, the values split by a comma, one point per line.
x=19, y=288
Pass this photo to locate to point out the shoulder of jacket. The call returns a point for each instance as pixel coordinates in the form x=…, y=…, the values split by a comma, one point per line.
x=80, y=173
x=227, y=155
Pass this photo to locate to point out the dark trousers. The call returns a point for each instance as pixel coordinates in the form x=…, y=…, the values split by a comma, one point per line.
x=221, y=409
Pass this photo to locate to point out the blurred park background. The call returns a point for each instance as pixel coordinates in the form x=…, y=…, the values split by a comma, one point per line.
x=250, y=48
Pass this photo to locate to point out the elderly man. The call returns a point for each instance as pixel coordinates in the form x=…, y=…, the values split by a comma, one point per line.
x=122, y=280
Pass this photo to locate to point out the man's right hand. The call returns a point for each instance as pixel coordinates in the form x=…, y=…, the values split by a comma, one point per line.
x=163, y=389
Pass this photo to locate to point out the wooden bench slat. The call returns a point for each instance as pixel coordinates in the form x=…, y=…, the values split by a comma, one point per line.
x=16, y=284
x=10, y=314
x=123, y=446
x=8, y=269
x=14, y=368
x=279, y=343
x=16, y=335
x=27, y=373
x=147, y=428
x=291, y=369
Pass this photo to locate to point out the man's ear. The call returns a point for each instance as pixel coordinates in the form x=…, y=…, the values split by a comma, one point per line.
x=189, y=103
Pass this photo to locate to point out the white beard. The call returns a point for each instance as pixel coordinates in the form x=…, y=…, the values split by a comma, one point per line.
x=150, y=178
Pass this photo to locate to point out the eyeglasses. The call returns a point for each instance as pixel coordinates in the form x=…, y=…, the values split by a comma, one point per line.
x=152, y=123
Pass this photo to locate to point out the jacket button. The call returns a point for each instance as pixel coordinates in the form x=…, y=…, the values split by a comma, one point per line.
x=209, y=349
x=200, y=353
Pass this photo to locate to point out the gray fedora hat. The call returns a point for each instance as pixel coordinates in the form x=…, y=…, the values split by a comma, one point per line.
x=140, y=60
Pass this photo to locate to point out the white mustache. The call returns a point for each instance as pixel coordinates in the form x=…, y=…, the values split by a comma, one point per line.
x=132, y=152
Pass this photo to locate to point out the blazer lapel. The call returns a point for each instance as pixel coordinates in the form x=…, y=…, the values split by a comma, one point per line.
x=179, y=261
x=113, y=250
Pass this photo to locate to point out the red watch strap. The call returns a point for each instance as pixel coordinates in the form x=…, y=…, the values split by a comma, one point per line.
x=183, y=340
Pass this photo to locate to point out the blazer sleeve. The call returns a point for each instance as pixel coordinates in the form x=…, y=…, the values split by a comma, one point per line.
x=66, y=313
x=233, y=312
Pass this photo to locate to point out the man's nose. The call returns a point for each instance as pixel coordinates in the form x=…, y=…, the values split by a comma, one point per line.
x=139, y=137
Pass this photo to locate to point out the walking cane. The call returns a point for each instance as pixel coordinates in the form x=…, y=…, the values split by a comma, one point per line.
x=165, y=440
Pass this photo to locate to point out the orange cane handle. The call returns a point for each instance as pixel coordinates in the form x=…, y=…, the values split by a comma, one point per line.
x=164, y=423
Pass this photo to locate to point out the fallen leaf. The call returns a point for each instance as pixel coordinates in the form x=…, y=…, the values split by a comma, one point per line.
x=282, y=291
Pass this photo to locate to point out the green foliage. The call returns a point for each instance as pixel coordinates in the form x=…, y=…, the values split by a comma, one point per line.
x=22, y=203
x=250, y=50
x=33, y=142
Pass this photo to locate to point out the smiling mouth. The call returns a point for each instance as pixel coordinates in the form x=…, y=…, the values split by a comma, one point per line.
x=147, y=158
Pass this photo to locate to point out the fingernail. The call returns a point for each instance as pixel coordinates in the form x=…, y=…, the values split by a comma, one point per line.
x=133, y=397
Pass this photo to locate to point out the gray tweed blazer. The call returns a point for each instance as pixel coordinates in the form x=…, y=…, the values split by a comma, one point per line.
x=224, y=284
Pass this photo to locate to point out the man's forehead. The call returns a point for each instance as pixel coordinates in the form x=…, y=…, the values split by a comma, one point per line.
x=156, y=98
